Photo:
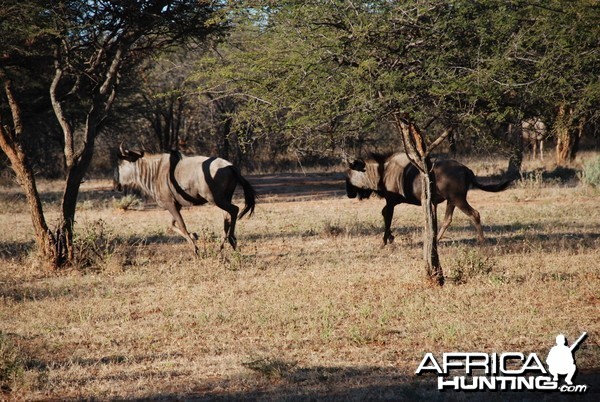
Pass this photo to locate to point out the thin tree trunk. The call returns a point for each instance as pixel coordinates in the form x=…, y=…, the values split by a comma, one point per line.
x=515, y=160
x=418, y=152
x=430, y=251
x=225, y=132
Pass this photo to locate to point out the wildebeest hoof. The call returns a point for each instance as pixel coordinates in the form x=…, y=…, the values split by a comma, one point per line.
x=389, y=239
x=195, y=236
x=233, y=242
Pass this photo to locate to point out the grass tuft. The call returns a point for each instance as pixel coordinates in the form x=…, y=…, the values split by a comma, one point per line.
x=470, y=263
x=128, y=202
x=270, y=367
x=12, y=365
x=590, y=174
x=96, y=247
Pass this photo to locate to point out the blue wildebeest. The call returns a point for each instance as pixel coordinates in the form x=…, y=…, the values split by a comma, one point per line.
x=175, y=181
x=394, y=178
x=534, y=132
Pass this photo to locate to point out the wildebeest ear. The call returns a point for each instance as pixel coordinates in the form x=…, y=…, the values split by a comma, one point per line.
x=358, y=165
x=129, y=155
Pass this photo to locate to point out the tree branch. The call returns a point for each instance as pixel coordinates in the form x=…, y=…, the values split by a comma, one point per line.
x=438, y=141
x=15, y=110
x=62, y=120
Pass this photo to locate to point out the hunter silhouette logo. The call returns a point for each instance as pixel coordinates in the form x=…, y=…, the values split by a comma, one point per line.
x=508, y=371
x=560, y=359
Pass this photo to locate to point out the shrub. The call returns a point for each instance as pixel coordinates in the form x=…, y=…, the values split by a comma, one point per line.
x=94, y=245
x=531, y=180
x=468, y=264
x=590, y=174
x=11, y=365
x=128, y=202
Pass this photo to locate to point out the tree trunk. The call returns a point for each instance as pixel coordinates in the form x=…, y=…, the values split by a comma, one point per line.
x=10, y=144
x=75, y=175
x=515, y=160
x=416, y=149
x=225, y=131
x=44, y=239
x=567, y=136
x=430, y=251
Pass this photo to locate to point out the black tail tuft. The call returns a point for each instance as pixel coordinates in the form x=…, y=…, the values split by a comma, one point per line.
x=250, y=194
x=493, y=188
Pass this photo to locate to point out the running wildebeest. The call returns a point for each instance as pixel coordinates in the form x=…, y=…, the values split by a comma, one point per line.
x=175, y=181
x=534, y=131
x=394, y=178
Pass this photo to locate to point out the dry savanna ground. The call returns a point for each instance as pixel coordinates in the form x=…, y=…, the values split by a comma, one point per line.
x=309, y=307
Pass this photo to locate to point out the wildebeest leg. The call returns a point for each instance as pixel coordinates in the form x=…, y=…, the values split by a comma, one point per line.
x=388, y=214
x=475, y=218
x=179, y=225
x=176, y=229
x=229, y=220
x=447, y=219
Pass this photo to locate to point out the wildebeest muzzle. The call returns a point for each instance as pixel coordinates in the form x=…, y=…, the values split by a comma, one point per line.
x=353, y=191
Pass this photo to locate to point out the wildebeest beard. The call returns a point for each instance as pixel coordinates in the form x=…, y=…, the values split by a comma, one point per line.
x=353, y=191
x=116, y=185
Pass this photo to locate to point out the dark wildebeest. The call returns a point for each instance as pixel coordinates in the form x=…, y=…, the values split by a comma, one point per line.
x=534, y=131
x=397, y=180
x=175, y=181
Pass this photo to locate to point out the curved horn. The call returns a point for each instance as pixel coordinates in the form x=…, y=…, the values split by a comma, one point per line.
x=121, y=150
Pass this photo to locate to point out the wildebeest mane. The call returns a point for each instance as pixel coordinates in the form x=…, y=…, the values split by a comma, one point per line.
x=379, y=157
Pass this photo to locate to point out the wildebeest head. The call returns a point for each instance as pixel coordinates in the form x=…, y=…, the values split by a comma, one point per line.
x=124, y=173
x=357, y=183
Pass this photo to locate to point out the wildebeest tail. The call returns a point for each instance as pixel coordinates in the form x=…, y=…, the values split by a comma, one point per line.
x=249, y=194
x=494, y=188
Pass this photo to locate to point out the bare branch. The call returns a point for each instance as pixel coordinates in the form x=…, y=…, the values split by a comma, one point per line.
x=62, y=120
x=15, y=109
x=111, y=74
x=438, y=141
x=410, y=147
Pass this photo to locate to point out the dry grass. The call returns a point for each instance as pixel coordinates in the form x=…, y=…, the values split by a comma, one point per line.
x=310, y=306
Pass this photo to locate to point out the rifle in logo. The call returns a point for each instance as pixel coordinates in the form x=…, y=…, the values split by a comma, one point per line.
x=560, y=359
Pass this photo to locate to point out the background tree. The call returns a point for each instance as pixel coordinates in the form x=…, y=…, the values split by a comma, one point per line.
x=93, y=44
x=23, y=29
x=164, y=100
x=565, y=47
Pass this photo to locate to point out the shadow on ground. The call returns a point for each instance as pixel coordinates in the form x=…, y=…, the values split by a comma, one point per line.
x=298, y=187
x=359, y=384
